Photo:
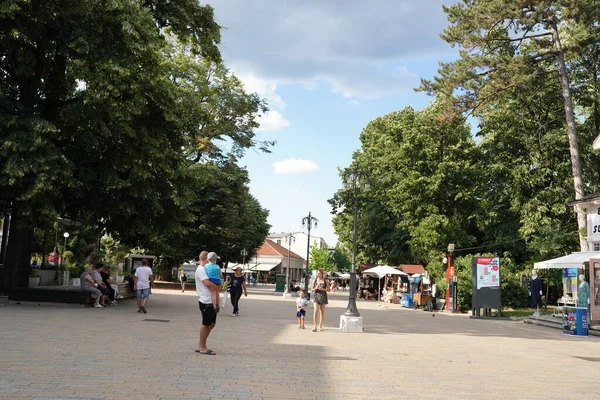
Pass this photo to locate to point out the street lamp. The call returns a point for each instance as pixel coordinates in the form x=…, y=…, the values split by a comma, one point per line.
x=307, y=222
x=244, y=253
x=289, y=239
x=353, y=177
x=65, y=235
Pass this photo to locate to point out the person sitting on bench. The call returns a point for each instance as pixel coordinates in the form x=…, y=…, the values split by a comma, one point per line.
x=293, y=287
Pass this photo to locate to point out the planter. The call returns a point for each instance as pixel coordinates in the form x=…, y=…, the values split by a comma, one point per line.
x=75, y=282
x=120, y=278
x=63, y=278
x=47, y=277
x=34, y=281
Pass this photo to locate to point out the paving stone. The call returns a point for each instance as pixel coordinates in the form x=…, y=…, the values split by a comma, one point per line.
x=85, y=353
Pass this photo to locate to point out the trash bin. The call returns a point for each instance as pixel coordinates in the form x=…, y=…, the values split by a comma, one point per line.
x=280, y=283
x=575, y=321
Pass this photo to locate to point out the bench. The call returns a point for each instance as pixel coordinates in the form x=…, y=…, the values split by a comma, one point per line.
x=51, y=294
x=61, y=294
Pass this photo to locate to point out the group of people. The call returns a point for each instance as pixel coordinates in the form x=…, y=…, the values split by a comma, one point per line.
x=209, y=284
x=97, y=280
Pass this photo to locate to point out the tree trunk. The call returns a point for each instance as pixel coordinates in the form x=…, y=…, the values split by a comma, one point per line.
x=18, y=253
x=572, y=135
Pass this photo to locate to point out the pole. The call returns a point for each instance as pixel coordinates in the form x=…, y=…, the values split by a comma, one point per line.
x=308, y=221
x=448, y=275
x=286, y=291
x=352, y=310
x=307, y=257
x=287, y=273
x=4, y=237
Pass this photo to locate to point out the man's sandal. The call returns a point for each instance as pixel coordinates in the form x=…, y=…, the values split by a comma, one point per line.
x=207, y=352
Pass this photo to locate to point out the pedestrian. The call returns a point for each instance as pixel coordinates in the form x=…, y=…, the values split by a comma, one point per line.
x=237, y=285
x=142, y=282
x=205, y=302
x=301, y=304
x=320, y=287
x=183, y=278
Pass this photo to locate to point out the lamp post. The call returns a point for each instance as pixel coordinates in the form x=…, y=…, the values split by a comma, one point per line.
x=354, y=177
x=65, y=235
x=308, y=223
x=244, y=253
x=289, y=239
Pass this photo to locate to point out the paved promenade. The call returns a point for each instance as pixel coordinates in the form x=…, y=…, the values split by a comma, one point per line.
x=115, y=353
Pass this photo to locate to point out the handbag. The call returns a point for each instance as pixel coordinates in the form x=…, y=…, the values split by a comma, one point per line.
x=224, y=299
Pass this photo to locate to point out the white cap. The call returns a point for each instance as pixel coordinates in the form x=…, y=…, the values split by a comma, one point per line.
x=212, y=256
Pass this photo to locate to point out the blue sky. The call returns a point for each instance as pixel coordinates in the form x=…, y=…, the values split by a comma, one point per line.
x=327, y=68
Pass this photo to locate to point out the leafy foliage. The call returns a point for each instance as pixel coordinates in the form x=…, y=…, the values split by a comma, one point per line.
x=112, y=114
x=319, y=258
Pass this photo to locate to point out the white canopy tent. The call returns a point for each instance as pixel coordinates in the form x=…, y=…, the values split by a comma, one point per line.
x=574, y=260
x=380, y=271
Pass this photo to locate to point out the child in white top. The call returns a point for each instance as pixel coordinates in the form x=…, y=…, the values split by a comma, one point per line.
x=301, y=304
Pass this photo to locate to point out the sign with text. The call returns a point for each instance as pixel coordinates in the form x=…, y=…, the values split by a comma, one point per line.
x=485, y=279
x=488, y=272
x=593, y=223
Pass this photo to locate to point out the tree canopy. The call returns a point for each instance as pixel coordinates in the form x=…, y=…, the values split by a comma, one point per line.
x=113, y=114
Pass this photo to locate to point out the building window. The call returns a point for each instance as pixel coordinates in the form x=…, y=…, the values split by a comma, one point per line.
x=597, y=246
x=279, y=242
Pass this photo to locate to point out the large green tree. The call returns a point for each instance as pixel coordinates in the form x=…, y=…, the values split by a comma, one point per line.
x=105, y=107
x=422, y=173
x=507, y=44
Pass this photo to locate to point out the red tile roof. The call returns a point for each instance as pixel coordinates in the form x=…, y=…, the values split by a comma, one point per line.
x=270, y=248
x=412, y=268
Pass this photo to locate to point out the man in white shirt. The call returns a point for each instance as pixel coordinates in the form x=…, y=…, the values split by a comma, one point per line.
x=142, y=281
x=209, y=315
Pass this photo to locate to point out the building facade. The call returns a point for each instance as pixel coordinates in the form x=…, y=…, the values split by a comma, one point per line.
x=300, y=244
x=274, y=258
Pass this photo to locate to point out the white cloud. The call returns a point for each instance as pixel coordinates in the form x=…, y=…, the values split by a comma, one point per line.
x=354, y=50
x=295, y=166
x=263, y=87
x=354, y=103
x=272, y=121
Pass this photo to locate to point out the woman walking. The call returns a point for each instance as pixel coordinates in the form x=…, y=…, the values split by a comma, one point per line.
x=320, y=287
x=236, y=286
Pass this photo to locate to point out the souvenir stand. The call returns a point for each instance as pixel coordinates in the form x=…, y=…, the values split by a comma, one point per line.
x=422, y=290
x=406, y=299
x=573, y=265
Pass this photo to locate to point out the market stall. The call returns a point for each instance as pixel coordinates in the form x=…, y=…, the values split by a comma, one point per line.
x=380, y=272
x=421, y=287
x=577, y=292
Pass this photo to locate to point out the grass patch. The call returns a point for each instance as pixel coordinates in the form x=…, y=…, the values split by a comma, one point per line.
x=522, y=312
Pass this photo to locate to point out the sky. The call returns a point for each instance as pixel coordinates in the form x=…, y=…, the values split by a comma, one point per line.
x=326, y=68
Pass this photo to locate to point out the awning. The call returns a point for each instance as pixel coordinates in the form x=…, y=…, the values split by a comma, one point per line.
x=574, y=260
x=262, y=267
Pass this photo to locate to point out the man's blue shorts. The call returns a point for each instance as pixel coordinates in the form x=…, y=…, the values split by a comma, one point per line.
x=143, y=293
x=301, y=313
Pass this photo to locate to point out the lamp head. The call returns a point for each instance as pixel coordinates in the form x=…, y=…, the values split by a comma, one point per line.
x=66, y=235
